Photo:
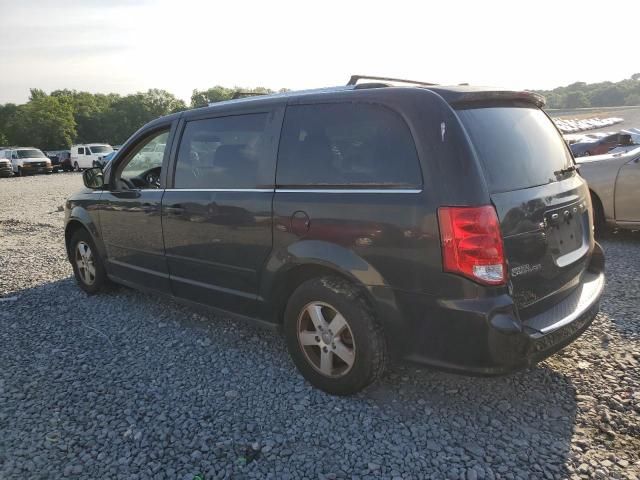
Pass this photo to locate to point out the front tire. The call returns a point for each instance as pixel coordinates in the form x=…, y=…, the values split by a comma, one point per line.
x=76, y=167
x=88, y=267
x=333, y=337
x=599, y=221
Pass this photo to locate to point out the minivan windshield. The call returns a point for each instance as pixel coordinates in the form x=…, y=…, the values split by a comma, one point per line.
x=30, y=153
x=519, y=147
x=100, y=149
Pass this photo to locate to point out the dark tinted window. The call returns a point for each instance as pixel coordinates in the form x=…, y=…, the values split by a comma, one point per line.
x=519, y=147
x=346, y=145
x=225, y=152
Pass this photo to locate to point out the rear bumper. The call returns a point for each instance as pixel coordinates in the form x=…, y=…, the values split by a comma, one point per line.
x=485, y=336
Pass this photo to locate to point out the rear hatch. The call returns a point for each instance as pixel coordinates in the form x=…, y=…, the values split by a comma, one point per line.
x=542, y=203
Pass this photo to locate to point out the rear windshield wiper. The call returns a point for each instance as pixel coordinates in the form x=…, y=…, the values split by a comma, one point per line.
x=564, y=171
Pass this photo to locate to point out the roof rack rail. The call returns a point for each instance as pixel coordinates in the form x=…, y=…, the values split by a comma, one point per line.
x=354, y=80
x=242, y=94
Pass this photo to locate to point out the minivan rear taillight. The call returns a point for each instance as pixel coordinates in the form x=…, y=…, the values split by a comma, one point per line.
x=472, y=243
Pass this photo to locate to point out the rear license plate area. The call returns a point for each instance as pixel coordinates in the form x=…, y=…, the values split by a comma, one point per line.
x=564, y=228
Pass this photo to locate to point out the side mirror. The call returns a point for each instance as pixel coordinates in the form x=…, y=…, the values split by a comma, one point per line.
x=93, y=178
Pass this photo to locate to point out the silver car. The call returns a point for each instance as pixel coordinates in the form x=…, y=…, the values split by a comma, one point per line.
x=614, y=181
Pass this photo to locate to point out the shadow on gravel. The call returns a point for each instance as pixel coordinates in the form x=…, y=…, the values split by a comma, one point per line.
x=173, y=359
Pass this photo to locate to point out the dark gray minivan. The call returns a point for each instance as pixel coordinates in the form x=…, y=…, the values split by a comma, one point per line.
x=444, y=225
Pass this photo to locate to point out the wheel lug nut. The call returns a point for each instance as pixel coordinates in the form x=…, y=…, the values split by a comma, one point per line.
x=325, y=349
x=317, y=339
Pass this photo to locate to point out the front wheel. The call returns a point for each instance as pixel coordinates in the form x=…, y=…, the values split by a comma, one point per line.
x=87, y=264
x=333, y=337
x=76, y=167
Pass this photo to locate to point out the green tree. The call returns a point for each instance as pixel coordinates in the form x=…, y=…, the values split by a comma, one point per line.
x=128, y=114
x=576, y=100
x=88, y=113
x=632, y=99
x=45, y=122
x=7, y=113
x=202, y=98
x=609, y=96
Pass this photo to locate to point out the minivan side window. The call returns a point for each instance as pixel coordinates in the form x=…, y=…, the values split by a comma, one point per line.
x=225, y=153
x=346, y=144
x=80, y=150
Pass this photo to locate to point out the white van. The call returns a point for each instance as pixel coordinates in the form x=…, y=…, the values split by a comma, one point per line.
x=26, y=160
x=83, y=156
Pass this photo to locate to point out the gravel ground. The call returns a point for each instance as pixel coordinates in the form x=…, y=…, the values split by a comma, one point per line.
x=126, y=385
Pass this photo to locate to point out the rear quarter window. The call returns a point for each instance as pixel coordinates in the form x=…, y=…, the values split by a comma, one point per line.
x=519, y=147
x=346, y=145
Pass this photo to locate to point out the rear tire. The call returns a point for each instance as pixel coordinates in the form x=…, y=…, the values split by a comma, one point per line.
x=333, y=337
x=87, y=264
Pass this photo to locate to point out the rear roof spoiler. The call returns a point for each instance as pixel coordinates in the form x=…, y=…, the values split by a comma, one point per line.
x=477, y=95
x=458, y=95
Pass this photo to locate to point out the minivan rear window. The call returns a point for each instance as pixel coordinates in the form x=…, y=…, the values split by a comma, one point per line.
x=346, y=144
x=519, y=147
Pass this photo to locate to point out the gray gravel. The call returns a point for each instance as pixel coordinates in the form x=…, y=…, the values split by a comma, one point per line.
x=126, y=385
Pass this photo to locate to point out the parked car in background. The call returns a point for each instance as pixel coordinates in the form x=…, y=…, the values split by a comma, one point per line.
x=614, y=184
x=83, y=156
x=601, y=145
x=366, y=219
x=55, y=161
x=5, y=167
x=103, y=161
x=60, y=160
x=152, y=154
x=27, y=160
x=65, y=160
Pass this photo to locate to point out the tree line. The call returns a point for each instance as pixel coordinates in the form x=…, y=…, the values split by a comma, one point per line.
x=61, y=118
x=603, y=94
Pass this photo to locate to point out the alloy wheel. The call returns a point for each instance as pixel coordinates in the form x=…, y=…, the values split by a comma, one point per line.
x=85, y=263
x=326, y=339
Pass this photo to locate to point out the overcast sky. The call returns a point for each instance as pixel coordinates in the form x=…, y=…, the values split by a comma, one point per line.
x=126, y=46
